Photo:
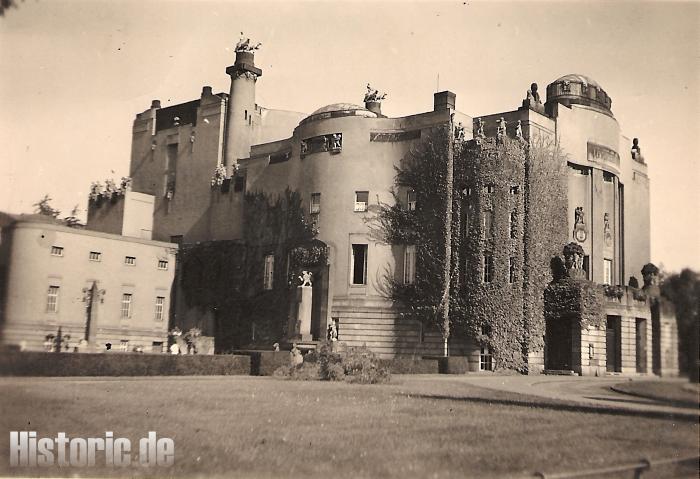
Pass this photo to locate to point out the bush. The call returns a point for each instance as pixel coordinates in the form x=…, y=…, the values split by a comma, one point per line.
x=355, y=365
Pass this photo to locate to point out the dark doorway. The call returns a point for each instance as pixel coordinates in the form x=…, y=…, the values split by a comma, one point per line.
x=641, y=345
x=558, y=340
x=613, y=345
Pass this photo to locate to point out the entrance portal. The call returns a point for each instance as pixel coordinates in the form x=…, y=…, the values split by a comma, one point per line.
x=558, y=341
x=613, y=344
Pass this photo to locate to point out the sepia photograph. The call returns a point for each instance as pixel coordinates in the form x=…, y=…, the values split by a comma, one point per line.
x=349, y=239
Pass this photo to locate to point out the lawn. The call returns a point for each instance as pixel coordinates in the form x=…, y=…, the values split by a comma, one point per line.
x=682, y=393
x=417, y=426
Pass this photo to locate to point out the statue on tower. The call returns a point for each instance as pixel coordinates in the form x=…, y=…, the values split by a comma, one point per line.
x=244, y=45
x=373, y=95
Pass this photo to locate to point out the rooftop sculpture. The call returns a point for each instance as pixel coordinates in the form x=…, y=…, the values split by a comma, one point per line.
x=244, y=45
x=373, y=95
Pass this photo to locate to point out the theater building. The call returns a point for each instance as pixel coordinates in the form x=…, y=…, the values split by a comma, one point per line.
x=199, y=159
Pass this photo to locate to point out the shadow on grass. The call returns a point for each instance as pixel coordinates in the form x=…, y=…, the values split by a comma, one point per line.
x=564, y=406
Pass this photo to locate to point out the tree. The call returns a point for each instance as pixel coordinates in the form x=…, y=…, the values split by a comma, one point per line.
x=43, y=207
x=684, y=291
x=72, y=220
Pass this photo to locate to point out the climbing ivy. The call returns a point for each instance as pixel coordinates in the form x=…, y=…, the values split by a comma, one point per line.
x=509, y=205
x=227, y=277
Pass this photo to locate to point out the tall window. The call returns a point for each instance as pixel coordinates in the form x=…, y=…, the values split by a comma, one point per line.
x=488, y=223
x=126, y=306
x=485, y=359
x=409, y=265
x=511, y=269
x=52, y=299
x=607, y=271
x=411, y=200
x=361, y=200
x=160, y=304
x=513, y=224
x=269, y=271
x=359, y=264
x=315, y=203
x=124, y=345
x=587, y=266
x=488, y=268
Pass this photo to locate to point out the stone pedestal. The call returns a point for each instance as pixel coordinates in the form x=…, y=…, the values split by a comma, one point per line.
x=300, y=317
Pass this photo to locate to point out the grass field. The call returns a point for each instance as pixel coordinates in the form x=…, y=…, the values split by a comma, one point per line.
x=264, y=427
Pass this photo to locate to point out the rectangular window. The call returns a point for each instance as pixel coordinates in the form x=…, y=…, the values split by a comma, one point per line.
x=411, y=202
x=607, y=271
x=130, y=260
x=513, y=226
x=361, y=200
x=409, y=265
x=315, y=203
x=608, y=177
x=52, y=299
x=359, y=264
x=511, y=269
x=269, y=271
x=124, y=345
x=157, y=347
x=56, y=251
x=162, y=264
x=485, y=359
x=95, y=256
x=488, y=268
x=489, y=188
x=488, y=223
x=587, y=266
x=160, y=305
x=126, y=306
x=514, y=189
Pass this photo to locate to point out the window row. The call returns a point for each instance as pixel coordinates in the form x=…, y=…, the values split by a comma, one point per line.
x=488, y=273
x=125, y=307
x=97, y=256
x=361, y=202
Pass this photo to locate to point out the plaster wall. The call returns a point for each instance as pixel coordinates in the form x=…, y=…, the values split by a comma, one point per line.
x=32, y=269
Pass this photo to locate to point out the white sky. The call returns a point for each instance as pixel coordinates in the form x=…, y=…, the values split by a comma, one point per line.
x=73, y=74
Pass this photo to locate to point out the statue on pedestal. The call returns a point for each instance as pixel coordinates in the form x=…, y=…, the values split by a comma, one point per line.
x=244, y=45
x=373, y=95
x=480, y=128
x=305, y=278
x=519, y=130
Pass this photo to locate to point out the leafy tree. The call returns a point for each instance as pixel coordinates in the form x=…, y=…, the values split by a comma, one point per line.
x=43, y=207
x=684, y=291
x=72, y=220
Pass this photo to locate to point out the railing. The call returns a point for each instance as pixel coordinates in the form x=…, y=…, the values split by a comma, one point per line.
x=637, y=468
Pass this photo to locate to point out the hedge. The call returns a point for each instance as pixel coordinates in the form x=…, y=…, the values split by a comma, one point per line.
x=120, y=364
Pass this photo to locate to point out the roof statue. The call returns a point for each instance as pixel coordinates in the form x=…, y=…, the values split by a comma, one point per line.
x=244, y=45
x=373, y=95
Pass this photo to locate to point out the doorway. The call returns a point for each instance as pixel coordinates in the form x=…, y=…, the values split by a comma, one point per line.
x=613, y=344
x=641, y=344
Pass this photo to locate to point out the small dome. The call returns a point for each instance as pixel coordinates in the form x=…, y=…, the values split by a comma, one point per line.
x=336, y=110
x=575, y=77
x=575, y=89
x=359, y=110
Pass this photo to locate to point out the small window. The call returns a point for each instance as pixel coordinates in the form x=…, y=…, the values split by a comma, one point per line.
x=269, y=271
x=513, y=226
x=359, y=264
x=485, y=359
x=52, y=299
x=409, y=265
x=130, y=260
x=361, y=200
x=126, y=306
x=511, y=270
x=95, y=256
x=488, y=268
x=607, y=271
x=514, y=189
x=315, y=207
x=162, y=264
x=608, y=177
x=489, y=188
x=579, y=170
x=124, y=345
x=56, y=251
x=411, y=200
x=160, y=305
x=157, y=347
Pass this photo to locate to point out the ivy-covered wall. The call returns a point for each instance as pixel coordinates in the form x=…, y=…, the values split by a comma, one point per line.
x=227, y=277
x=509, y=210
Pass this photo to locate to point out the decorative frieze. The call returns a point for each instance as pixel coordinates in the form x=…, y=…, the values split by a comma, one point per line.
x=602, y=154
x=332, y=143
x=394, y=136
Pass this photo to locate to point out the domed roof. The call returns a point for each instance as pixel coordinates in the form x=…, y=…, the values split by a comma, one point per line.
x=575, y=77
x=359, y=110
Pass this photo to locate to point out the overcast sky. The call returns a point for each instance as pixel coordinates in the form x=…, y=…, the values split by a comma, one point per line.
x=73, y=74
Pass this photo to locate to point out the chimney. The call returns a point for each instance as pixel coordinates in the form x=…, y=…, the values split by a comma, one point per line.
x=444, y=100
x=206, y=91
x=155, y=104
